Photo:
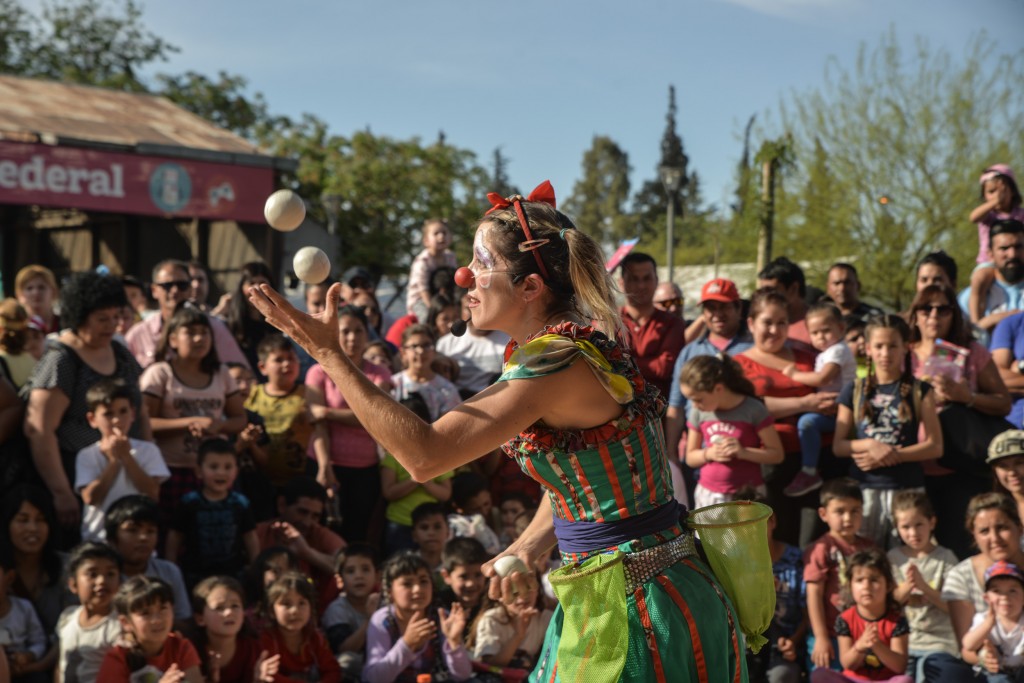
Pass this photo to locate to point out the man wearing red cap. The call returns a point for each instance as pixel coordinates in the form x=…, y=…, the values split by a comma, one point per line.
x=725, y=333
x=655, y=337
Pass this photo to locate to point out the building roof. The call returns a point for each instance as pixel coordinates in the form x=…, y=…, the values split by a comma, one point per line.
x=55, y=113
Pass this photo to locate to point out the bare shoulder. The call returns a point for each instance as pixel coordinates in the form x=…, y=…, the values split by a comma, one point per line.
x=571, y=399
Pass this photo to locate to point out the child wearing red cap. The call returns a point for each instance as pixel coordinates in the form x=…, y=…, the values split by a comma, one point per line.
x=1000, y=200
x=997, y=635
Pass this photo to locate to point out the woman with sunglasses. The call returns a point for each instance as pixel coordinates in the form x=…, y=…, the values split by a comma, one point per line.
x=935, y=315
x=573, y=410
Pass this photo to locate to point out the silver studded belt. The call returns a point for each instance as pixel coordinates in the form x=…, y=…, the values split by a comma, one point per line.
x=644, y=565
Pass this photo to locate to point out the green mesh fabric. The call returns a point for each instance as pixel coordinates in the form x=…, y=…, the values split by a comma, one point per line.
x=735, y=538
x=679, y=627
x=677, y=632
x=593, y=643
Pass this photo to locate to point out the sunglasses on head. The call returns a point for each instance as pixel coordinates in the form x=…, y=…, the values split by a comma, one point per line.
x=939, y=309
x=168, y=286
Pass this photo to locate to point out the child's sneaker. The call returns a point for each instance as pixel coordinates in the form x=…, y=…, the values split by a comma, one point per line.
x=802, y=483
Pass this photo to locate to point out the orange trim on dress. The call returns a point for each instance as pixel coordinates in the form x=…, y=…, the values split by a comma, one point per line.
x=698, y=649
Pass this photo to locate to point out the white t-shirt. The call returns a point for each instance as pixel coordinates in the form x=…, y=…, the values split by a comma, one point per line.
x=1010, y=643
x=89, y=465
x=480, y=358
x=21, y=630
x=82, y=648
x=841, y=355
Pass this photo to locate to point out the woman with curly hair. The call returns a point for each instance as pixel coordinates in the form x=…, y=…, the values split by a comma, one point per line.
x=85, y=353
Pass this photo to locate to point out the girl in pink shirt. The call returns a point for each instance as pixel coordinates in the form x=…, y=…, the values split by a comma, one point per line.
x=346, y=455
x=731, y=433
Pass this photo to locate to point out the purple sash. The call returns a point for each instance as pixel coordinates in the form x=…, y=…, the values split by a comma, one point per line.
x=581, y=536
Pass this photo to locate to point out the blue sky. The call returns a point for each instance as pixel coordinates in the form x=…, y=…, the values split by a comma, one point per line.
x=540, y=79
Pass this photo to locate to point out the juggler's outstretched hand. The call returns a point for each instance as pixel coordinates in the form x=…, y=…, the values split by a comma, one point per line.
x=315, y=333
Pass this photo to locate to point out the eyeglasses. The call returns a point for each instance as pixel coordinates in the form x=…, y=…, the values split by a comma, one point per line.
x=419, y=347
x=939, y=309
x=180, y=284
x=669, y=303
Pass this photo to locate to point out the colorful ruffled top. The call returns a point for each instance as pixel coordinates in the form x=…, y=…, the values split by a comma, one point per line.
x=607, y=473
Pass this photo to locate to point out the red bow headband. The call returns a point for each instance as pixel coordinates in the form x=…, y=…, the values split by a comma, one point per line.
x=543, y=193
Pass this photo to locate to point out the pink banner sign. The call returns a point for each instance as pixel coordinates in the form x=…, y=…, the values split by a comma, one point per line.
x=625, y=246
x=130, y=183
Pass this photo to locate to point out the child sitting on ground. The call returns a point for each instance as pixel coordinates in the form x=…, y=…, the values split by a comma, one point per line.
x=409, y=635
x=512, y=635
x=132, y=531
x=873, y=632
x=345, y=620
x=429, y=533
x=86, y=632
x=26, y=642
x=151, y=650
x=293, y=635
x=464, y=581
x=116, y=465
x=997, y=635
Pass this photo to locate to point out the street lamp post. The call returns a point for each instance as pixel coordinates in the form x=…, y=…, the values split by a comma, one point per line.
x=671, y=178
x=672, y=170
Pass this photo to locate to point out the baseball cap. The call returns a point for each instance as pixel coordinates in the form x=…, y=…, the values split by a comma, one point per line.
x=1006, y=444
x=1002, y=568
x=994, y=170
x=719, y=289
x=357, y=273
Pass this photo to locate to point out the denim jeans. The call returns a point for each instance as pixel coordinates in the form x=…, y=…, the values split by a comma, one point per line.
x=811, y=426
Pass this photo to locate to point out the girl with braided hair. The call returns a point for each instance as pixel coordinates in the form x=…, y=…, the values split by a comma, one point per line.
x=571, y=407
x=877, y=425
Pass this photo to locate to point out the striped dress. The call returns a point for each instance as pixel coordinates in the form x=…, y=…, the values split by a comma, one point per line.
x=679, y=622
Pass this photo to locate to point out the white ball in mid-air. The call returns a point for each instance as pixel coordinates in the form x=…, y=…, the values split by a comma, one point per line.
x=508, y=564
x=284, y=210
x=311, y=265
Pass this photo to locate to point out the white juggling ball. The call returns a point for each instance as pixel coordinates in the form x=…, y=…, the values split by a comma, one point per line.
x=311, y=265
x=284, y=210
x=508, y=564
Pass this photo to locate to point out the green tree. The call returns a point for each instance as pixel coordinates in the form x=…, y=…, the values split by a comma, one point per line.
x=598, y=201
x=17, y=28
x=500, y=182
x=222, y=101
x=386, y=188
x=914, y=128
x=87, y=42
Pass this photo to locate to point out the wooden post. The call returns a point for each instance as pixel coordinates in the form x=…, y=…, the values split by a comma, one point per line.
x=764, y=235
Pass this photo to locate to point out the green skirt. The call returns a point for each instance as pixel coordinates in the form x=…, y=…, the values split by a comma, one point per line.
x=681, y=628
